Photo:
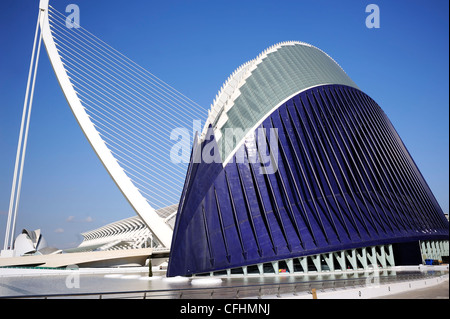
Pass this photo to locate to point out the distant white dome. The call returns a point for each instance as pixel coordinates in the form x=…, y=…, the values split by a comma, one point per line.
x=23, y=245
x=28, y=242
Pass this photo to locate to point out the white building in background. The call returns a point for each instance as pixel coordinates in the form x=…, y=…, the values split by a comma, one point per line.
x=128, y=233
x=31, y=242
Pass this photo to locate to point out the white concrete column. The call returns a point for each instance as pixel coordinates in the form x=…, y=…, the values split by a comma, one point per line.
x=329, y=260
x=340, y=256
x=390, y=256
x=317, y=262
x=363, y=257
x=275, y=267
x=382, y=257
x=304, y=263
x=351, y=256
x=290, y=265
x=372, y=256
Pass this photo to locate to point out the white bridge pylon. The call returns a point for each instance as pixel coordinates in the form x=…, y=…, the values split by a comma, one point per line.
x=123, y=110
x=156, y=224
x=161, y=230
x=22, y=144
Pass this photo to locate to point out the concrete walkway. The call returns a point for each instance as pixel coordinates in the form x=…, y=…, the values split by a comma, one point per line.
x=429, y=288
x=439, y=291
x=107, y=258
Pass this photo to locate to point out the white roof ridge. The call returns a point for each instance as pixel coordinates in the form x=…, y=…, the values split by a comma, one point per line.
x=227, y=95
x=218, y=103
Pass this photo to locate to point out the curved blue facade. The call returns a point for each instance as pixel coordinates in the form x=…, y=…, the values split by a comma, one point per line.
x=343, y=180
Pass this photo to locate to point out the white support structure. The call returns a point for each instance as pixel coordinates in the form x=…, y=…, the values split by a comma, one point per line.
x=444, y=247
x=128, y=233
x=423, y=250
x=351, y=256
x=304, y=263
x=290, y=265
x=363, y=257
x=382, y=256
x=157, y=225
x=440, y=248
x=368, y=258
x=340, y=257
x=275, y=266
x=22, y=145
x=329, y=260
x=431, y=250
x=317, y=262
x=434, y=249
x=390, y=256
x=372, y=255
x=261, y=269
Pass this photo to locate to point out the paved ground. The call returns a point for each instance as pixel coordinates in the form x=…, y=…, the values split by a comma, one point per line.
x=84, y=281
x=440, y=291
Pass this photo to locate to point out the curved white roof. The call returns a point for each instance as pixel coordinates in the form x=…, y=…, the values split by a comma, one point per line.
x=254, y=89
x=127, y=233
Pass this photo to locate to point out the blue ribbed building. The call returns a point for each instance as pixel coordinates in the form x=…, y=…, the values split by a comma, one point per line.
x=298, y=169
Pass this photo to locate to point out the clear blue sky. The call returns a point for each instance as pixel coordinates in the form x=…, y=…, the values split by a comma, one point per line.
x=194, y=46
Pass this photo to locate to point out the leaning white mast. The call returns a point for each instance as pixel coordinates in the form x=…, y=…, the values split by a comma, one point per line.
x=148, y=214
x=22, y=143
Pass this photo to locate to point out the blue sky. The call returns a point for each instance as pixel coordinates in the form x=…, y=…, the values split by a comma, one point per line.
x=194, y=46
